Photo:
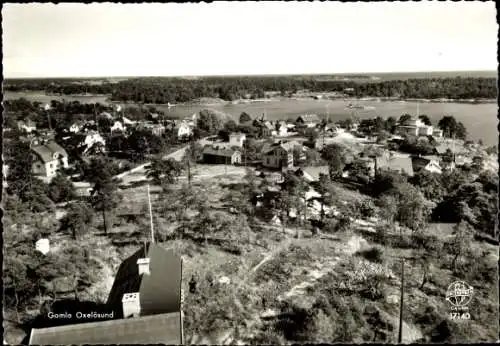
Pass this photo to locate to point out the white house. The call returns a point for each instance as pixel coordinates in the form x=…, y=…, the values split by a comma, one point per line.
x=416, y=127
x=237, y=139
x=47, y=158
x=156, y=129
x=425, y=130
x=281, y=131
x=118, y=127
x=75, y=128
x=182, y=130
x=127, y=121
x=27, y=126
x=92, y=138
x=429, y=163
x=437, y=133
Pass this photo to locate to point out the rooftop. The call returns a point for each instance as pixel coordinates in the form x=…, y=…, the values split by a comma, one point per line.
x=237, y=134
x=159, y=290
x=313, y=173
x=224, y=151
x=46, y=151
x=288, y=146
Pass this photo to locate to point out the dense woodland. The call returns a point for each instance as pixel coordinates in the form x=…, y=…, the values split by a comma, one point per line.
x=164, y=89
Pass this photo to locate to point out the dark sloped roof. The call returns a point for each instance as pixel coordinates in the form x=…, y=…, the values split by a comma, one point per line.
x=309, y=118
x=287, y=146
x=162, y=328
x=46, y=151
x=159, y=291
x=218, y=152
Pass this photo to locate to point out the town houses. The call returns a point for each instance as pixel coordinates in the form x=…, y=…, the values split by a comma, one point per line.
x=47, y=157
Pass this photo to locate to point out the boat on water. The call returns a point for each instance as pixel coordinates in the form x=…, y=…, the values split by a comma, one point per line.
x=351, y=106
x=366, y=108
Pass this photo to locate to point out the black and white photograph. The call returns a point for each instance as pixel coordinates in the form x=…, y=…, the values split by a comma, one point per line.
x=249, y=173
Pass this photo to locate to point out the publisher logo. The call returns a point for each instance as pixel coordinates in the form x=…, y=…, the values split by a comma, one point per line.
x=459, y=294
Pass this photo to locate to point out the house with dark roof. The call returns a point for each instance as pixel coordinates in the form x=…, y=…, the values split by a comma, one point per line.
x=47, y=158
x=429, y=163
x=279, y=154
x=147, y=283
x=221, y=155
x=309, y=120
x=146, y=301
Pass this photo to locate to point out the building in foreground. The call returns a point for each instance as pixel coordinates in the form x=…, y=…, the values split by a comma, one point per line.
x=280, y=155
x=146, y=301
x=222, y=155
x=47, y=158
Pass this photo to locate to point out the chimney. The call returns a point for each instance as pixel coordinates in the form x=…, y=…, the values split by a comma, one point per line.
x=131, y=305
x=143, y=265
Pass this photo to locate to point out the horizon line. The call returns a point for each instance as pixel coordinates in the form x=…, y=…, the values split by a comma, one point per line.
x=249, y=74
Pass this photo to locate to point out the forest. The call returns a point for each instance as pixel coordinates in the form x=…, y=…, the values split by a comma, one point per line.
x=174, y=90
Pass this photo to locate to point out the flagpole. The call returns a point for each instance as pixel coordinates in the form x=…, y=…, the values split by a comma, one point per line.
x=151, y=217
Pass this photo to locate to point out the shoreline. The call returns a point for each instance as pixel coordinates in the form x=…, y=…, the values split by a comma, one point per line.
x=309, y=97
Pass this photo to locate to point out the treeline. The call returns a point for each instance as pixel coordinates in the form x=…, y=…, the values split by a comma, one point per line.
x=168, y=89
x=64, y=114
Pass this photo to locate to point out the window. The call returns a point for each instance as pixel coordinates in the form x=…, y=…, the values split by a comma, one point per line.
x=50, y=165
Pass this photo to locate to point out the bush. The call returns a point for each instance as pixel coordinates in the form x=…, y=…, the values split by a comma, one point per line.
x=403, y=242
x=374, y=254
x=233, y=249
x=297, y=323
x=343, y=224
x=367, y=208
x=268, y=337
x=380, y=235
x=428, y=242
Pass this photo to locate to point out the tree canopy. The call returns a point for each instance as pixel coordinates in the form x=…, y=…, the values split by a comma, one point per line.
x=171, y=89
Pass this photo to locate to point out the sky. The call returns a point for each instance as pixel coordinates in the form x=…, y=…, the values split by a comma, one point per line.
x=187, y=39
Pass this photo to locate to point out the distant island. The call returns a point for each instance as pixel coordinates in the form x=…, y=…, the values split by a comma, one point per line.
x=162, y=90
